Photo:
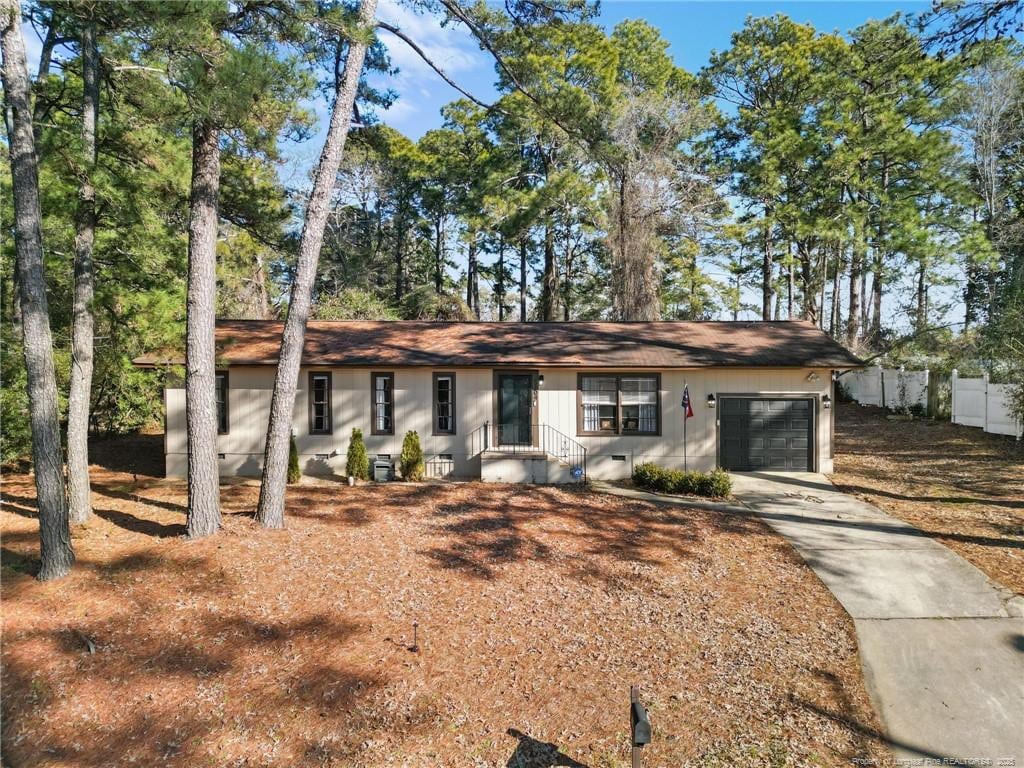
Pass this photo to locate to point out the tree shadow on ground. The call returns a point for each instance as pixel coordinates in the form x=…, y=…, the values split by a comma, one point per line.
x=503, y=525
x=136, y=496
x=531, y=753
x=140, y=524
x=845, y=715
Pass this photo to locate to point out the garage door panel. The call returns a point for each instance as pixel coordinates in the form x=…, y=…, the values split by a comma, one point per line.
x=766, y=433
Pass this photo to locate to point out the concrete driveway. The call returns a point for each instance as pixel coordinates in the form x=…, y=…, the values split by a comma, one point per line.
x=942, y=646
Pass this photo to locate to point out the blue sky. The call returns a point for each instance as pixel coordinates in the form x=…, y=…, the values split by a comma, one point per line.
x=693, y=29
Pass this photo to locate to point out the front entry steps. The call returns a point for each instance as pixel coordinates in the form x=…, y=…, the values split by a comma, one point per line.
x=523, y=466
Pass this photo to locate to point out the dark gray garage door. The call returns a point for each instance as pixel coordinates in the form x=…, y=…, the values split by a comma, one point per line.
x=766, y=434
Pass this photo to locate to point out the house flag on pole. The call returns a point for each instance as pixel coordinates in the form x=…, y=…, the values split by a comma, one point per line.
x=687, y=413
x=687, y=406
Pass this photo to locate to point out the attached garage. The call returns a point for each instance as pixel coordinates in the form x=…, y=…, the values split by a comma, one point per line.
x=766, y=434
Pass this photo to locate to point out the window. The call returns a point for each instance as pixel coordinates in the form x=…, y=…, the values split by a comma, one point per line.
x=222, y=402
x=619, y=404
x=444, y=403
x=599, y=396
x=383, y=416
x=320, y=403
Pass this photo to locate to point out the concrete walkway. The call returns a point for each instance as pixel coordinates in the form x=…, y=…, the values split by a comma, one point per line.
x=941, y=645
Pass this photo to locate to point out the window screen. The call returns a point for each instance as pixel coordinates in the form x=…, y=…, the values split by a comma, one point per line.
x=599, y=404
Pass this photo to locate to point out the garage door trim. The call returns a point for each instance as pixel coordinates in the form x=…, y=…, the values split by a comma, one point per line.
x=814, y=397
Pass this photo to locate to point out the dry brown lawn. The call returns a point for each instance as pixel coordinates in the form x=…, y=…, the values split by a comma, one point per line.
x=537, y=608
x=960, y=485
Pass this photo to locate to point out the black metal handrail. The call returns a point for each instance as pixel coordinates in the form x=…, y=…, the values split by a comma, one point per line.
x=541, y=438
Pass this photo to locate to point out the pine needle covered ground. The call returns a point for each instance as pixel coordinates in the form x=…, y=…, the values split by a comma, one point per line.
x=960, y=485
x=537, y=608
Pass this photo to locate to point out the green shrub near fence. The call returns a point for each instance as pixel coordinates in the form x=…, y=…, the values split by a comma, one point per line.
x=715, y=484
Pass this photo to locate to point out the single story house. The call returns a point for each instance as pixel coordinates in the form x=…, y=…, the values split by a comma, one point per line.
x=542, y=402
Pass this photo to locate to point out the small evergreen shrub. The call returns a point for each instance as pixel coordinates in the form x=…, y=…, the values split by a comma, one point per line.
x=714, y=484
x=293, y=462
x=411, y=460
x=357, y=463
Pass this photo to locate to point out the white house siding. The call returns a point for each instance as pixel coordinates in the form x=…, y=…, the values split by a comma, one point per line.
x=249, y=404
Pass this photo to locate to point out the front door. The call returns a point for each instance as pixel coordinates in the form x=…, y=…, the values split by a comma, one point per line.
x=515, y=408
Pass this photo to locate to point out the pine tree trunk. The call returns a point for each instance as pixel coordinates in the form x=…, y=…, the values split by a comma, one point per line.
x=549, y=289
x=767, y=272
x=56, y=554
x=522, y=279
x=270, y=511
x=837, y=299
x=200, y=352
x=438, y=255
x=499, y=287
x=856, y=260
x=400, y=261
x=82, y=324
x=471, y=276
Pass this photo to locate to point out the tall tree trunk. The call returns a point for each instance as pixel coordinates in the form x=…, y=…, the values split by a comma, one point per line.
x=567, y=260
x=400, y=260
x=499, y=287
x=270, y=511
x=767, y=270
x=790, y=284
x=837, y=299
x=920, y=311
x=823, y=251
x=471, y=279
x=549, y=288
x=523, y=256
x=853, y=325
x=55, y=550
x=438, y=254
x=201, y=316
x=82, y=324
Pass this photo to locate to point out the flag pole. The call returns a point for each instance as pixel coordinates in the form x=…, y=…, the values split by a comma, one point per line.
x=686, y=391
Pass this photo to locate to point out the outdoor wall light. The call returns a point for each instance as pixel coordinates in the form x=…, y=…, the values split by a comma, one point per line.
x=711, y=401
x=540, y=380
x=826, y=402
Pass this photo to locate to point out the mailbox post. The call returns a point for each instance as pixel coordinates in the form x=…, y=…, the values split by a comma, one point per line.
x=639, y=724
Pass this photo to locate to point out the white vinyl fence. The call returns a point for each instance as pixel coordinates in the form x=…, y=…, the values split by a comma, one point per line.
x=887, y=387
x=978, y=403
x=975, y=402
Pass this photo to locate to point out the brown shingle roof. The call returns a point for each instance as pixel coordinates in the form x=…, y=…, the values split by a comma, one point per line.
x=574, y=344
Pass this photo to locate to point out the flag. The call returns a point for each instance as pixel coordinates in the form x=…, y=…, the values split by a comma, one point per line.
x=687, y=406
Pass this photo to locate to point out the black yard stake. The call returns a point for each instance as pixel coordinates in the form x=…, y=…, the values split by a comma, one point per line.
x=639, y=724
x=415, y=647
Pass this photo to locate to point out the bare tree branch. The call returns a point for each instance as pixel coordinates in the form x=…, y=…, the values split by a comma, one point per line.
x=423, y=55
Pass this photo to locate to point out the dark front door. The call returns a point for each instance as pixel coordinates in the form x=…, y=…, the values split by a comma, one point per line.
x=515, y=408
x=766, y=434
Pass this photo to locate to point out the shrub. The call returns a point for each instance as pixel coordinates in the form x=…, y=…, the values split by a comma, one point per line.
x=715, y=484
x=411, y=460
x=293, y=462
x=357, y=463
